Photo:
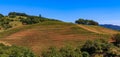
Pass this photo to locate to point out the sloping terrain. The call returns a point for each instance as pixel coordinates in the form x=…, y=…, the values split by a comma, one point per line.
x=98, y=29
x=40, y=36
x=110, y=26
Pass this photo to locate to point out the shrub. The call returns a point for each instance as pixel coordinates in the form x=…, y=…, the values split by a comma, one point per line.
x=12, y=16
x=5, y=23
x=63, y=52
x=89, y=47
x=52, y=52
x=116, y=37
x=97, y=48
x=15, y=51
x=85, y=54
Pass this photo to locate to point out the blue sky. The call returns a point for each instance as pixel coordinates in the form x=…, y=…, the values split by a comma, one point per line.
x=103, y=11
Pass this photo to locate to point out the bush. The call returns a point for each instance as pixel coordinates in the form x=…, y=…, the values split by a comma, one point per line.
x=6, y=26
x=63, y=52
x=5, y=23
x=30, y=21
x=85, y=54
x=15, y=51
x=116, y=37
x=89, y=47
x=97, y=48
x=52, y=52
x=12, y=16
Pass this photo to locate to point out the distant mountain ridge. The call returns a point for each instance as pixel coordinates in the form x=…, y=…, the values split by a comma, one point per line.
x=111, y=26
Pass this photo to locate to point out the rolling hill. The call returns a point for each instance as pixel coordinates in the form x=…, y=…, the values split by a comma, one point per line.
x=40, y=36
x=39, y=33
x=110, y=26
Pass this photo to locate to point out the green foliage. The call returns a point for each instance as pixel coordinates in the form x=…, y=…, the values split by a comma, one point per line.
x=69, y=52
x=63, y=52
x=80, y=21
x=12, y=16
x=31, y=20
x=17, y=14
x=113, y=51
x=14, y=51
x=97, y=48
x=52, y=52
x=9, y=21
x=5, y=23
x=36, y=19
x=86, y=22
x=85, y=54
x=54, y=23
x=100, y=47
x=1, y=15
x=6, y=26
x=89, y=47
x=15, y=23
x=116, y=37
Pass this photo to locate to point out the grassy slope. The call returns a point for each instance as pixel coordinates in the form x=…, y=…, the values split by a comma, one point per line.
x=40, y=36
x=98, y=29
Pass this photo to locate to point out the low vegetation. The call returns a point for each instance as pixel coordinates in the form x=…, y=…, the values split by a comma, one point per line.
x=116, y=38
x=14, y=19
x=97, y=48
x=15, y=51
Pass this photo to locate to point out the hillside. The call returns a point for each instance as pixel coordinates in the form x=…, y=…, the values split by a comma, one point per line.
x=110, y=26
x=39, y=33
x=40, y=36
x=98, y=29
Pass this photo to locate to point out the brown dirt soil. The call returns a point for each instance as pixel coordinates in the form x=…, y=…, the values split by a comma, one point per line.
x=21, y=34
x=39, y=39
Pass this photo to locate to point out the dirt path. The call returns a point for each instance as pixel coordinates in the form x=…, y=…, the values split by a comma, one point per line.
x=98, y=29
x=89, y=29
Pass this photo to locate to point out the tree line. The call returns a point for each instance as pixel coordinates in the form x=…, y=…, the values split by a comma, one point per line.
x=21, y=18
x=86, y=22
x=16, y=18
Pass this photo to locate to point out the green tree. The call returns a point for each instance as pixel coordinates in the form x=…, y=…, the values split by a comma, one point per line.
x=80, y=21
x=91, y=22
x=86, y=22
x=17, y=14
x=1, y=15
